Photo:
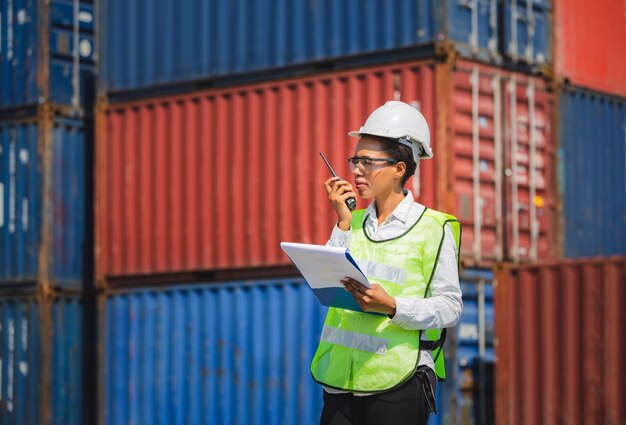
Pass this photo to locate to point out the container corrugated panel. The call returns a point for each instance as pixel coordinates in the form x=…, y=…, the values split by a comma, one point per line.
x=224, y=159
x=20, y=201
x=66, y=75
x=592, y=161
x=560, y=343
x=40, y=360
x=214, y=353
x=161, y=215
x=211, y=353
x=20, y=362
x=146, y=45
x=39, y=241
x=65, y=397
x=500, y=122
x=528, y=30
x=591, y=58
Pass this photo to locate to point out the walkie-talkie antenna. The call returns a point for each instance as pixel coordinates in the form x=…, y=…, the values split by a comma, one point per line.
x=350, y=202
x=328, y=165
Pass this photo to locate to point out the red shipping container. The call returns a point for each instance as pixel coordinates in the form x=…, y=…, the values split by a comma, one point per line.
x=492, y=114
x=590, y=42
x=560, y=342
x=216, y=179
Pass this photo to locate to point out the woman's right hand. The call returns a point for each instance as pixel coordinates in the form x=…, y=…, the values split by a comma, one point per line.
x=338, y=191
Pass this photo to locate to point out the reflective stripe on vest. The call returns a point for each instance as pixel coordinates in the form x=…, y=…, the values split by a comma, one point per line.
x=379, y=271
x=368, y=343
x=365, y=352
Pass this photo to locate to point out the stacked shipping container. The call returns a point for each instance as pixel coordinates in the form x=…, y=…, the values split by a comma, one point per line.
x=47, y=53
x=211, y=112
x=214, y=352
x=560, y=345
x=41, y=351
x=46, y=92
x=146, y=46
x=591, y=121
x=592, y=151
x=548, y=311
x=171, y=171
x=42, y=202
x=211, y=353
x=591, y=58
x=158, y=215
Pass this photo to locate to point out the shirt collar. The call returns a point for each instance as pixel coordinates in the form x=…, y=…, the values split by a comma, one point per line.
x=401, y=212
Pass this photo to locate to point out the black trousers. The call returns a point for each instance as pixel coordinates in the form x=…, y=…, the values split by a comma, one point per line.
x=406, y=404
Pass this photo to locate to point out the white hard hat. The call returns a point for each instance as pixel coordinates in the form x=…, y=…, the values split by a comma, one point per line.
x=400, y=121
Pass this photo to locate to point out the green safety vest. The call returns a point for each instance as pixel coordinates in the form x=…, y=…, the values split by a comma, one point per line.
x=364, y=352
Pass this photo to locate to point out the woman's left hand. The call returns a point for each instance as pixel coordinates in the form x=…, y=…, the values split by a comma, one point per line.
x=374, y=299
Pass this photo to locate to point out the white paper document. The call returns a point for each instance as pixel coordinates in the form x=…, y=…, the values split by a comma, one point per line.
x=323, y=267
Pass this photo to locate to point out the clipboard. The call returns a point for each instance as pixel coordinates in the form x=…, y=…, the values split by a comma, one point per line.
x=322, y=268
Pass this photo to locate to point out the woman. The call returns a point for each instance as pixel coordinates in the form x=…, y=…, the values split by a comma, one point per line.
x=380, y=366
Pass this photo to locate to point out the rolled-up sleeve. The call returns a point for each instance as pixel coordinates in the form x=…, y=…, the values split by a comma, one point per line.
x=339, y=238
x=442, y=308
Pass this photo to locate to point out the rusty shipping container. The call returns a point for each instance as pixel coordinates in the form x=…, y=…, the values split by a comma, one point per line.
x=44, y=196
x=216, y=179
x=41, y=360
x=594, y=57
x=47, y=53
x=560, y=342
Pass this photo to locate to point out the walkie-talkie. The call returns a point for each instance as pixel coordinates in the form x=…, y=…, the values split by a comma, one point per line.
x=350, y=202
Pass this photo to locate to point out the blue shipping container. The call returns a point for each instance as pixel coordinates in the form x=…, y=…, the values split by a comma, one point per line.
x=27, y=212
x=527, y=31
x=216, y=353
x=40, y=360
x=65, y=77
x=145, y=44
x=476, y=326
x=471, y=387
x=592, y=166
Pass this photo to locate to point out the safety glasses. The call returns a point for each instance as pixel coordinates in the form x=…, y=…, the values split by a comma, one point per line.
x=367, y=164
